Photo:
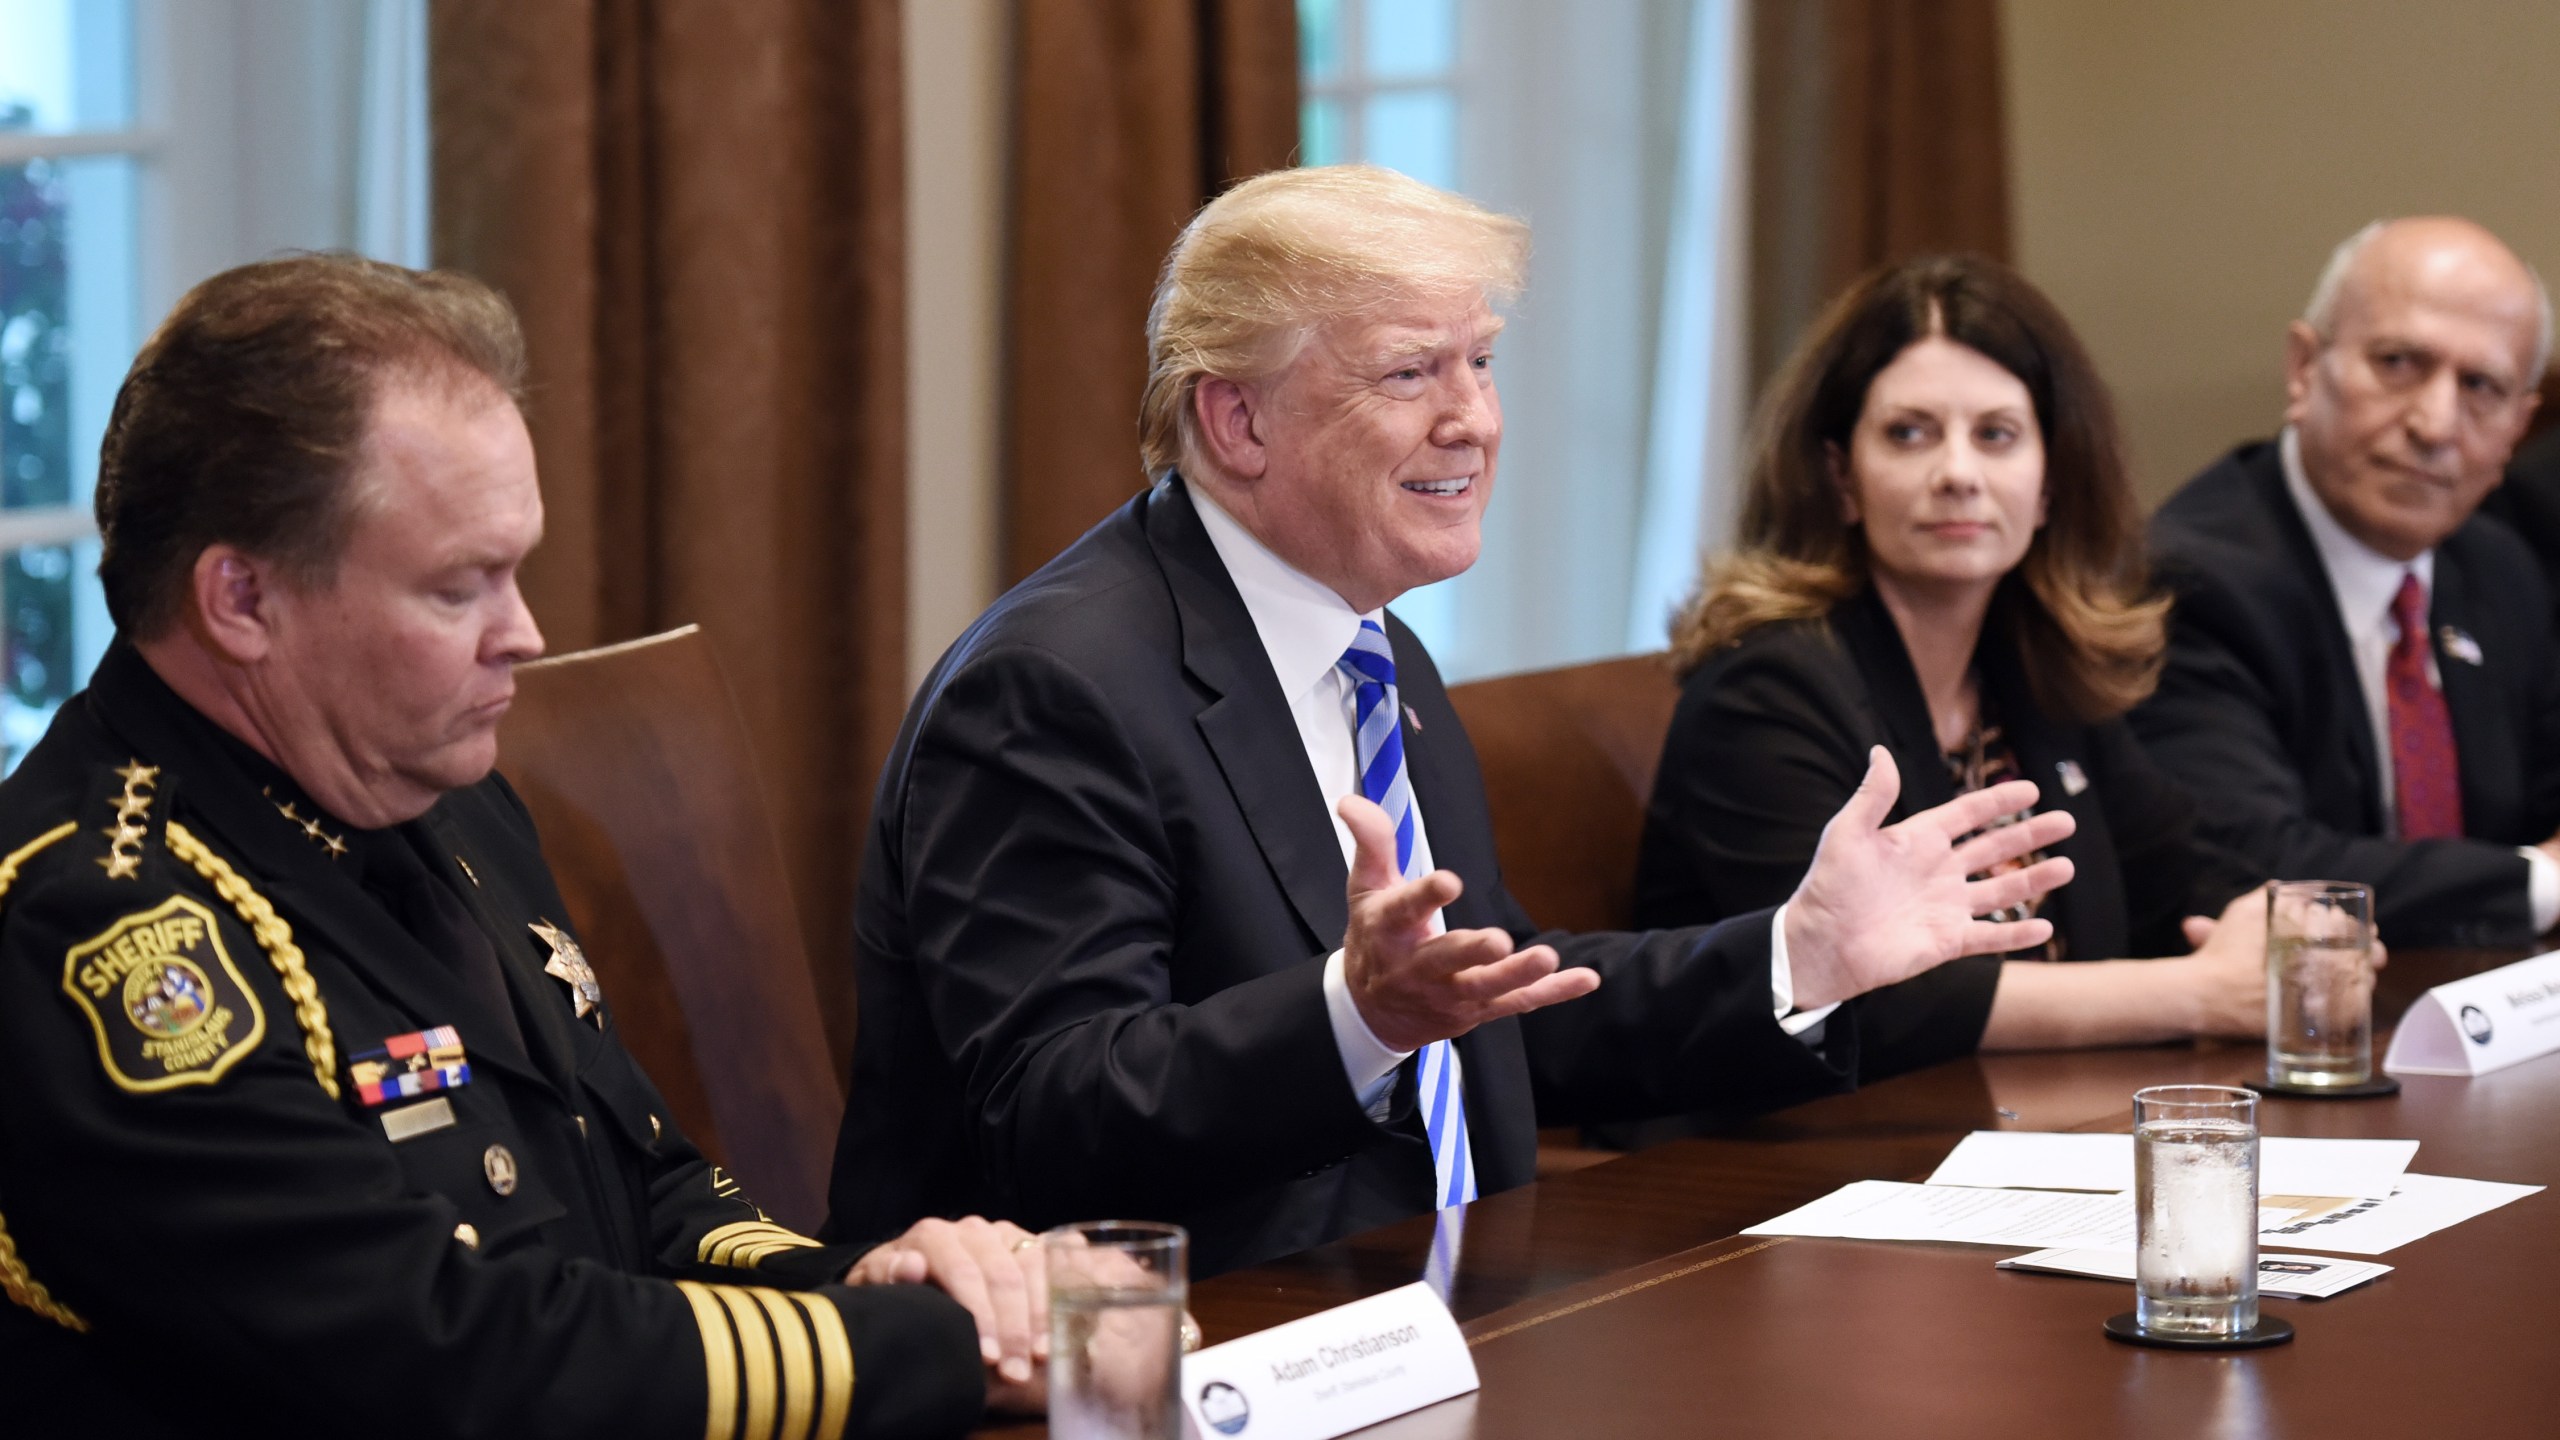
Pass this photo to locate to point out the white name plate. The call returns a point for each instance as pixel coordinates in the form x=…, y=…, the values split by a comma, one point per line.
x=1329, y=1374
x=2487, y=1022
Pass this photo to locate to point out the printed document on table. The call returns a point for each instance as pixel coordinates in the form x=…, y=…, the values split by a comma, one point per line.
x=2296, y=1277
x=2038, y=1160
x=2421, y=1206
x=1890, y=1210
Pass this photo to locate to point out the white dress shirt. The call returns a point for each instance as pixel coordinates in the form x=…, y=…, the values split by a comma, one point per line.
x=2365, y=581
x=1305, y=629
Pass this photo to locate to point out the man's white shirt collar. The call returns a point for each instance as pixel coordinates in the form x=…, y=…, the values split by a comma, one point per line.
x=1304, y=626
x=2364, y=579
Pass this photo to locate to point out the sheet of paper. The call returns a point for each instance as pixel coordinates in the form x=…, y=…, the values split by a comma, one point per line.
x=2029, y=1159
x=1889, y=1210
x=2296, y=1277
x=2423, y=1205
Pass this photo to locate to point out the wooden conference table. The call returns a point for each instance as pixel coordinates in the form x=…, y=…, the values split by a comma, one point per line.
x=1619, y=1300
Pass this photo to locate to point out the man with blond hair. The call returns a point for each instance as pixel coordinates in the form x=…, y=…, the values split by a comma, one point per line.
x=1181, y=899
x=2361, y=675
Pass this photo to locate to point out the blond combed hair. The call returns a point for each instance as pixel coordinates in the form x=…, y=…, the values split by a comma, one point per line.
x=1262, y=266
x=2079, y=606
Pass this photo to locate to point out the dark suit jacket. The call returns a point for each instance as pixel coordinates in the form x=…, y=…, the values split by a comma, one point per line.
x=2529, y=502
x=1771, y=736
x=2260, y=714
x=513, y=1272
x=1099, y=892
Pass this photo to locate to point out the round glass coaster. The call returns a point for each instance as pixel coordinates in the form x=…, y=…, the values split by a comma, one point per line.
x=2269, y=1331
x=2378, y=1085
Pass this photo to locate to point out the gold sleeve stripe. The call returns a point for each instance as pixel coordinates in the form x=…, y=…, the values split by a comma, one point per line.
x=835, y=1363
x=722, y=1246
x=27, y=852
x=276, y=938
x=750, y=1256
x=755, y=1351
x=799, y=1377
x=25, y=1290
x=719, y=1360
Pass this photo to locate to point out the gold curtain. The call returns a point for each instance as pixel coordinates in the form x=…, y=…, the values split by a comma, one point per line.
x=1878, y=132
x=697, y=207
x=1129, y=115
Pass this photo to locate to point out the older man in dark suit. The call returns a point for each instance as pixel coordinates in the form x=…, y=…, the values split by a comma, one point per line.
x=1122, y=952
x=2362, y=680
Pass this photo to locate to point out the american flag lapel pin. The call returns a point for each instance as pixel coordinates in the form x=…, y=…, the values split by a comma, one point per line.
x=2459, y=645
x=1413, y=721
x=2074, y=780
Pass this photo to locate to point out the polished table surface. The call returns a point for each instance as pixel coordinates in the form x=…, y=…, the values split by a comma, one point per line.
x=1619, y=1300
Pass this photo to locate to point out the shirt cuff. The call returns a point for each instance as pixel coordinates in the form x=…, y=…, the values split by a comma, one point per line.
x=1782, y=982
x=2541, y=886
x=1366, y=1061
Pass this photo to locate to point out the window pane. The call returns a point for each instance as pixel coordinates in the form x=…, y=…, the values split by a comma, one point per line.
x=1319, y=40
x=1410, y=39
x=1415, y=131
x=1320, y=133
x=66, y=65
x=66, y=321
x=52, y=630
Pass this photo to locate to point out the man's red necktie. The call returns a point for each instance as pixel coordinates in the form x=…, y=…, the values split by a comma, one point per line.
x=2425, y=771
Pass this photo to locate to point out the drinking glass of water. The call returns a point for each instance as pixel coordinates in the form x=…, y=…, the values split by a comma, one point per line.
x=2319, y=984
x=1116, y=1292
x=2195, y=1185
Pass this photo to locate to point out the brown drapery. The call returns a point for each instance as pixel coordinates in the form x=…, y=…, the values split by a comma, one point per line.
x=1130, y=114
x=1878, y=132
x=697, y=208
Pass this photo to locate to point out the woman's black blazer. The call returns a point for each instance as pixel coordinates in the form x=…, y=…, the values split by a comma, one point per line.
x=1771, y=736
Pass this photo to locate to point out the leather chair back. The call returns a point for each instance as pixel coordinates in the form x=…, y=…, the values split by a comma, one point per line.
x=1568, y=758
x=635, y=763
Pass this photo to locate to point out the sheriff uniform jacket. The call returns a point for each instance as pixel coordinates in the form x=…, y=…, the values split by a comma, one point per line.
x=1094, y=915
x=269, y=1166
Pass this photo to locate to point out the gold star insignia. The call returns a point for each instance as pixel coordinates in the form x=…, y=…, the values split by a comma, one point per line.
x=121, y=867
x=568, y=964
x=135, y=774
x=337, y=847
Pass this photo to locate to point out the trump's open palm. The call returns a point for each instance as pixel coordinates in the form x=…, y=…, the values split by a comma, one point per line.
x=1882, y=903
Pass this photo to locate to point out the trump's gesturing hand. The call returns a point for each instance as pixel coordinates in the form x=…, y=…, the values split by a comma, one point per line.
x=1414, y=987
x=994, y=1268
x=1882, y=903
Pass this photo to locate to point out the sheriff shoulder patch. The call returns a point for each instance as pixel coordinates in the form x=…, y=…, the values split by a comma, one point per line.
x=169, y=1007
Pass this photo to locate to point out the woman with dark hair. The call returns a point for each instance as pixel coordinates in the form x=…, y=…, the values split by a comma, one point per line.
x=1939, y=552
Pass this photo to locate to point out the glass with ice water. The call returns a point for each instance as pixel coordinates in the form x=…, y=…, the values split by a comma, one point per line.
x=2195, y=1187
x=1116, y=1292
x=2319, y=984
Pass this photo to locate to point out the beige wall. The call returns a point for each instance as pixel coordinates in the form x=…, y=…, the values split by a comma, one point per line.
x=956, y=62
x=2183, y=167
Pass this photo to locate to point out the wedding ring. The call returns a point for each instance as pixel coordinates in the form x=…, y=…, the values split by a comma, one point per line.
x=1025, y=1243
x=1190, y=1333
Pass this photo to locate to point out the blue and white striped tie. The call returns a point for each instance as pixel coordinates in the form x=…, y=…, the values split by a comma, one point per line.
x=1371, y=665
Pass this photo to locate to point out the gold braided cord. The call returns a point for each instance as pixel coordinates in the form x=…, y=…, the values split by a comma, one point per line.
x=24, y=853
x=27, y=1291
x=23, y=1289
x=276, y=938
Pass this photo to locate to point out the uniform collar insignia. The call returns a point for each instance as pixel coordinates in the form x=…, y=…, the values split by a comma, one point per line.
x=309, y=825
x=123, y=860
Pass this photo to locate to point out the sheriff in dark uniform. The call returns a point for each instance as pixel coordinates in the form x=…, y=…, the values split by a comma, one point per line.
x=312, y=1117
